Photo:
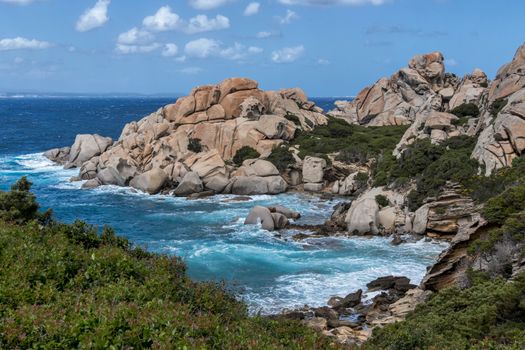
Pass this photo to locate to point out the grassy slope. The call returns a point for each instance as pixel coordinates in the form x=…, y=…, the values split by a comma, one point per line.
x=65, y=286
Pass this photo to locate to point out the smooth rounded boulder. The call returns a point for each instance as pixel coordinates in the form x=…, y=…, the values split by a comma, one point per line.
x=151, y=181
x=262, y=215
x=86, y=147
x=191, y=183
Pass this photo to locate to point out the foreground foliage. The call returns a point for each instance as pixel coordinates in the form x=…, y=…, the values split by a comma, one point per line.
x=489, y=315
x=67, y=286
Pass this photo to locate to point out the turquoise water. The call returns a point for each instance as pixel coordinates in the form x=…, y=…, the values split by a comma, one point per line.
x=269, y=272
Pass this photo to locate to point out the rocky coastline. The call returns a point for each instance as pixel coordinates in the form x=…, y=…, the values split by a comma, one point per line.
x=233, y=138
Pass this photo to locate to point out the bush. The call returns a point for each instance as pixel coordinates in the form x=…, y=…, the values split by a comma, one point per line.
x=497, y=106
x=510, y=202
x=67, y=287
x=293, y=118
x=282, y=158
x=194, y=145
x=339, y=136
x=357, y=154
x=382, y=201
x=466, y=110
x=430, y=165
x=19, y=205
x=244, y=153
x=489, y=315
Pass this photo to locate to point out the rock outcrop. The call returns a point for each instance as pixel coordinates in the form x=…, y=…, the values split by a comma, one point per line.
x=502, y=136
x=199, y=133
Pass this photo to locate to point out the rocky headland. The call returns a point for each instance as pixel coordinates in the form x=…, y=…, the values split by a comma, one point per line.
x=422, y=153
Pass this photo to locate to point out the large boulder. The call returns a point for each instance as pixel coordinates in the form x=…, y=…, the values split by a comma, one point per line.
x=86, y=147
x=313, y=169
x=261, y=215
x=150, y=182
x=191, y=183
x=510, y=78
x=250, y=185
x=362, y=218
x=58, y=155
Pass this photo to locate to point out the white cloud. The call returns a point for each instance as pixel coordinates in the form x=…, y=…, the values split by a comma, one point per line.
x=170, y=50
x=163, y=20
x=288, y=54
x=134, y=36
x=207, y=4
x=202, y=48
x=265, y=34
x=201, y=23
x=323, y=62
x=129, y=49
x=288, y=18
x=17, y=2
x=252, y=9
x=334, y=2
x=19, y=43
x=94, y=17
x=190, y=70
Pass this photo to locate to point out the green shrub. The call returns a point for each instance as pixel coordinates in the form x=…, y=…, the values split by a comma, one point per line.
x=357, y=154
x=19, y=205
x=194, y=145
x=489, y=315
x=281, y=157
x=338, y=136
x=430, y=165
x=244, y=153
x=293, y=118
x=382, y=201
x=361, y=179
x=68, y=287
x=466, y=110
x=497, y=106
x=510, y=202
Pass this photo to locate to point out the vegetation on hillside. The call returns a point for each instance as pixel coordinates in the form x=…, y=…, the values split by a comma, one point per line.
x=245, y=153
x=352, y=142
x=488, y=315
x=66, y=286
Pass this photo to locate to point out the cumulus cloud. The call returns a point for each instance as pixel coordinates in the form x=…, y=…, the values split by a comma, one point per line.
x=252, y=9
x=94, y=17
x=170, y=50
x=163, y=20
x=20, y=43
x=334, y=2
x=288, y=18
x=207, y=4
x=129, y=49
x=201, y=23
x=204, y=48
x=288, y=54
x=134, y=36
x=323, y=62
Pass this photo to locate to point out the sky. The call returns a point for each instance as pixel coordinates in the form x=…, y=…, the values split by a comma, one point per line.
x=326, y=47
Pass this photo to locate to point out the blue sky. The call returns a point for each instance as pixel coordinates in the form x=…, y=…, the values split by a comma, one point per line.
x=327, y=47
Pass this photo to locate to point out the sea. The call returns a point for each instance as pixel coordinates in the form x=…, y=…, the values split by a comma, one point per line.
x=269, y=272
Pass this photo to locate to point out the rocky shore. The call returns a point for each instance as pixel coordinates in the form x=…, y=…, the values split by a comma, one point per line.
x=233, y=138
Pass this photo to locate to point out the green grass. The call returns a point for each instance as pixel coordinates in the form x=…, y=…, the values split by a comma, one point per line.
x=66, y=286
